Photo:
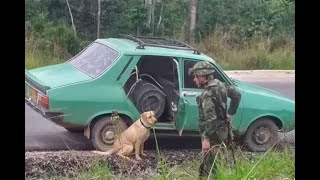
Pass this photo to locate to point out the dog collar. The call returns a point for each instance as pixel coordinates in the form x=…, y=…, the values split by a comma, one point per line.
x=144, y=125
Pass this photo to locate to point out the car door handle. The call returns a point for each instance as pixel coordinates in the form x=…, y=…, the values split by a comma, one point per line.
x=189, y=94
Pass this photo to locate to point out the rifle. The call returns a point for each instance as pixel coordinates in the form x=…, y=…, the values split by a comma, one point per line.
x=230, y=139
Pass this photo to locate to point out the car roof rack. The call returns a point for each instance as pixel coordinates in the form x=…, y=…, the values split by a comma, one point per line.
x=159, y=42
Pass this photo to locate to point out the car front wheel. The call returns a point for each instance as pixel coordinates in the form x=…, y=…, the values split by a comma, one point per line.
x=104, y=132
x=261, y=135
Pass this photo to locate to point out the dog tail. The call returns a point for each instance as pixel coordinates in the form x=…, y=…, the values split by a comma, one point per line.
x=107, y=153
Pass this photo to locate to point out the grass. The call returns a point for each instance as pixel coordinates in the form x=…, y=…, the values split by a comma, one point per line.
x=38, y=56
x=39, y=59
x=273, y=164
x=277, y=163
x=228, y=51
x=245, y=59
x=262, y=53
x=97, y=172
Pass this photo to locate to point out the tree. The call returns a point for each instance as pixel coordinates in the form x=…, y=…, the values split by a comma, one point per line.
x=149, y=5
x=73, y=26
x=193, y=16
x=98, y=19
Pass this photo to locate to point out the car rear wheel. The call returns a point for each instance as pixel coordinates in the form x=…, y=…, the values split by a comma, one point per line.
x=261, y=135
x=104, y=132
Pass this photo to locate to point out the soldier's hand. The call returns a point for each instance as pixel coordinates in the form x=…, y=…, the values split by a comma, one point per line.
x=229, y=118
x=205, y=145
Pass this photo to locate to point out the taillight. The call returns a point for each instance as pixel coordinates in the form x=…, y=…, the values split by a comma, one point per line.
x=43, y=101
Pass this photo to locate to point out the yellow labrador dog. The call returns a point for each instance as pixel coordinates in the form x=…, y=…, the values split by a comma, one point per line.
x=134, y=137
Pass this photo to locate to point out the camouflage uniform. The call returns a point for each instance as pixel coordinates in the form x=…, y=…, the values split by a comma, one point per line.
x=212, y=108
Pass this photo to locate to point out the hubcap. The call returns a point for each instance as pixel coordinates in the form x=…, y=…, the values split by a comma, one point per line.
x=262, y=135
x=107, y=135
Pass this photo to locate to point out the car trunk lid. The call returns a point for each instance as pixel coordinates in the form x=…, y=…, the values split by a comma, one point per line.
x=55, y=76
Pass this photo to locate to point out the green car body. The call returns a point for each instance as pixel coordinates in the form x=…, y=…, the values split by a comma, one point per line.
x=76, y=94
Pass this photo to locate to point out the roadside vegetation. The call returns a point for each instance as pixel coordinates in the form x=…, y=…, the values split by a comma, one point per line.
x=163, y=164
x=274, y=164
x=241, y=35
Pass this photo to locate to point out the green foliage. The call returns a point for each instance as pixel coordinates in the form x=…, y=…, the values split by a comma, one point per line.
x=53, y=38
x=35, y=59
x=237, y=23
x=174, y=18
x=99, y=171
x=269, y=165
x=263, y=53
x=249, y=18
x=273, y=165
x=134, y=18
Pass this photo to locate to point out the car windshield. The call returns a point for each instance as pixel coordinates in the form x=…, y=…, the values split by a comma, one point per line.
x=95, y=59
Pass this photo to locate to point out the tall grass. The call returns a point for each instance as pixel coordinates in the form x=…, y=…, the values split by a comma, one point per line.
x=99, y=171
x=37, y=57
x=48, y=43
x=231, y=52
x=260, y=53
x=273, y=165
x=270, y=165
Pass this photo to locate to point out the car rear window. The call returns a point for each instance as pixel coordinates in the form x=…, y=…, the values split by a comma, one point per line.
x=95, y=59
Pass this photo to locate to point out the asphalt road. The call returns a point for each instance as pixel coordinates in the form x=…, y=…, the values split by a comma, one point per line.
x=41, y=134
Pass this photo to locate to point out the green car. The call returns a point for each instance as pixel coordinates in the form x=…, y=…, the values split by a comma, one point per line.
x=132, y=74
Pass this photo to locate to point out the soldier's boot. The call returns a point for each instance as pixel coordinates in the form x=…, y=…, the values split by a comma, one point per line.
x=202, y=172
x=205, y=166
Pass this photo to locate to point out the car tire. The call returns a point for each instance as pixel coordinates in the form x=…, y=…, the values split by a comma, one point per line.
x=104, y=132
x=148, y=97
x=261, y=135
x=75, y=130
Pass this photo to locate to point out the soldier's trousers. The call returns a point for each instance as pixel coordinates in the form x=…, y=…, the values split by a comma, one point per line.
x=208, y=158
x=207, y=162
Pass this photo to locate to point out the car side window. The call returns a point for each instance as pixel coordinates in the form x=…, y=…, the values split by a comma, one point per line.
x=188, y=80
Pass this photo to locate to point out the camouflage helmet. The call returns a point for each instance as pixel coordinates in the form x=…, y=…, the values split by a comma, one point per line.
x=201, y=69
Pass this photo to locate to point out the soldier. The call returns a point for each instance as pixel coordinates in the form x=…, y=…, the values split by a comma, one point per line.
x=213, y=113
